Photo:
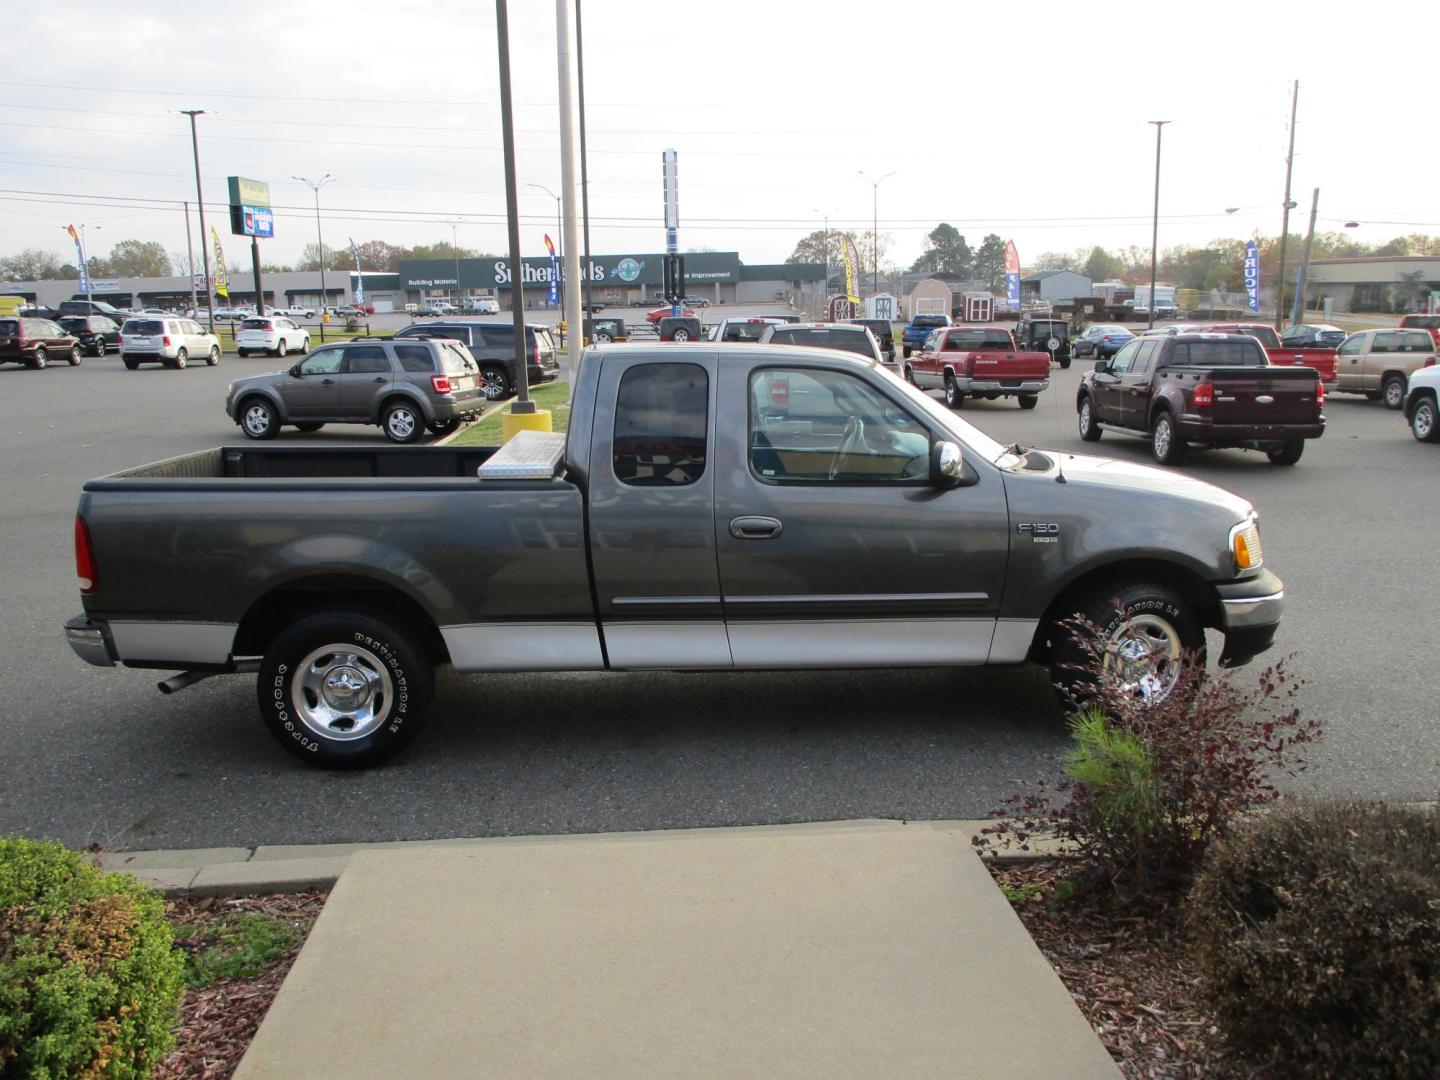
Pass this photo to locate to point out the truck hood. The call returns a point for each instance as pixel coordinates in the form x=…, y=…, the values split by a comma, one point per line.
x=1087, y=470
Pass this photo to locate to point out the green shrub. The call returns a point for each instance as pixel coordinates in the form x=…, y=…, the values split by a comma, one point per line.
x=89, y=979
x=1317, y=931
x=238, y=946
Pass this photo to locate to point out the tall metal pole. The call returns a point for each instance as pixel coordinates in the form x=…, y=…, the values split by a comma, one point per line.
x=574, y=320
x=522, y=402
x=190, y=251
x=1305, y=260
x=315, y=186
x=584, y=170
x=1155, y=225
x=255, y=267
x=200, y=203
x=875, y=231
x=455, y=250
x=1285, y=219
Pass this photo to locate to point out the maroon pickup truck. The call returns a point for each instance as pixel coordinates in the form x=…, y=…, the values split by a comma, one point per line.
x=1325, y=361
x=1217, y=390
x=978, y=361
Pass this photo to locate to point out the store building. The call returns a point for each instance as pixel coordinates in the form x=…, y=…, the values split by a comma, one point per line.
x=1394, y=283
x=284, y=288
x=1054, y=286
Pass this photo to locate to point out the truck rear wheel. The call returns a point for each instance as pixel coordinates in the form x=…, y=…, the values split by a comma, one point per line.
x=1147, y=632
x=1028, y=401
x=1288, y=454
x=1394, y=391
x=345, y=690
x=1168, y=447
x=953, y=397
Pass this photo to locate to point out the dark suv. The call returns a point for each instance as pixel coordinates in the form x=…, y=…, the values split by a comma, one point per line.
x=492, y=344
x=96, y=333
x=884, y=334
x=404, y=386
x=35, y=342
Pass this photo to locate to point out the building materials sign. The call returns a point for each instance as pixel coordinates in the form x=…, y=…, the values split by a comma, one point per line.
x=250, y=213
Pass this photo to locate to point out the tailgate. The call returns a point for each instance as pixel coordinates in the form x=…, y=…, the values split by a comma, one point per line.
x=1322, y=360
x=1267, y=395
x=1010, y=365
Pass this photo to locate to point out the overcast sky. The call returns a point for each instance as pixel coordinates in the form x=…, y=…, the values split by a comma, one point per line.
x=1028, y=121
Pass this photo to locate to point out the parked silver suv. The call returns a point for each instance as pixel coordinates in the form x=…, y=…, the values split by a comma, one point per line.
x=406, y=387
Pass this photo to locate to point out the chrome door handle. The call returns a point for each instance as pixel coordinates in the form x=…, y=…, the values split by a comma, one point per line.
x=755, y=528
x=379, y=378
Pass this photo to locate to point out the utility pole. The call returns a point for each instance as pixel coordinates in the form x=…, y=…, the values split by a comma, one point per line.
x=255, y=266
x=1155, y=226
x=826, y=218
x=190, y=251
x=1285, y=220
x=1305, y=260
x=874, y=231
x=574, y=317
x=315, y=186
x=200, y=203
x=522, y=405
x=455, y=224
x=584, y=171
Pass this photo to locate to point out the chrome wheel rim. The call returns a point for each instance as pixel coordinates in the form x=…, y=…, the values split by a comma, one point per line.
x=494, y=388
x=1085, y=418
x=401, y=423
x=342, y=692
x=1424, y=421
x=1143, y=656
x=1394, y=393
x=1162, y=438
x=257, y=419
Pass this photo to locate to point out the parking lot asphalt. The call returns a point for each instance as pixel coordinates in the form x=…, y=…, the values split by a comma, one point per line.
x=99, y=756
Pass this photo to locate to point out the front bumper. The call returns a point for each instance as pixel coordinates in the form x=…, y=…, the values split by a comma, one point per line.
x=1002, y=386
x=90, y=641
x=1249, y=616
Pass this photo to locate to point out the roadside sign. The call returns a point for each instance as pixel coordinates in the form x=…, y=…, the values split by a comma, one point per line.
x=250, y=213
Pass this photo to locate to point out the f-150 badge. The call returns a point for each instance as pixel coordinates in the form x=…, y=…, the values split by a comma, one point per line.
x=1041, y=532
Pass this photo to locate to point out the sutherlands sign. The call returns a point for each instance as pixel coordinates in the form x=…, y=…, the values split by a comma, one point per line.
x=618, y=271
x=250, y=213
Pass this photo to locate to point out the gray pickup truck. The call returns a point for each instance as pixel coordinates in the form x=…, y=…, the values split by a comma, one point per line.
x=713, y=506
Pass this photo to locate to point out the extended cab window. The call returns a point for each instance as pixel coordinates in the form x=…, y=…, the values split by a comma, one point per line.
x=825, y=337
x=322, y=362
x=1220, y=354
x=1416, y=342
x=661, y=418
x=810, y=425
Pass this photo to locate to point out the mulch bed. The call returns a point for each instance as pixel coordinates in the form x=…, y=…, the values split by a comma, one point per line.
x=1131, y=976
x=218, y=1021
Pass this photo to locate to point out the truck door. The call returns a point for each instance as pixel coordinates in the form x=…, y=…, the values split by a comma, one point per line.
x=652, y=513
x=1108, y=388
x=835, y=548
x=1347, y=361
x=1133, y=392
x=315, y=389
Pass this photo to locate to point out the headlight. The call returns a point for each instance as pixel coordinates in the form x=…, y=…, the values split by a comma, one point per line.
x=1245, y=545
x=230, y=390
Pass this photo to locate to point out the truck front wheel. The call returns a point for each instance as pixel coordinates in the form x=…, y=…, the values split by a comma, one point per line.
x=1147, y=633
x=1089, y=428
x=345, y=690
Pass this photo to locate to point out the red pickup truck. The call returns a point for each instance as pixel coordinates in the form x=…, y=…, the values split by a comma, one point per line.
x=978, y=361
x=1325, y=361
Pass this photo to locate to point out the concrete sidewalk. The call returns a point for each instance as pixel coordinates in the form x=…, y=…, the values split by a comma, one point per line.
x=859, y=949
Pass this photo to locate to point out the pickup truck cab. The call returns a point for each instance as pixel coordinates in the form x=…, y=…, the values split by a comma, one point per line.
x=747, y=329
x=918, y=330
x=1216, y=390
x=712, y=507
x=1319, y=357
x=978, y=361
x=1379, y=363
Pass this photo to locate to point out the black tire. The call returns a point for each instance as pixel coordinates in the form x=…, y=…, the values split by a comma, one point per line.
x=305, y=345
x=258, y=419
x=1425, y=421
x=905, y=350
x=1288, y=454
x=1393, y=391
x=131, y=364
x=282, y=349
x=680, y=334
x=242, y=352
x=402, y=422
x=309, y=426
x=1029, y=401
x=497, y=382
x=98, y=349
x=213, y=360
x=953, y=397
x=359, y=658
x=1371, y=395
x=1110, y=607
x=38, y=359
x=449, y=427
x=1064, y=364
x=1165, y=443
x=1090, y=429
x=910, y=376
x=181, y=359
x=74, y=356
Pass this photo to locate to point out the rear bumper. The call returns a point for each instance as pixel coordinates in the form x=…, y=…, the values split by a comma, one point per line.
x=1193, y=429
x=90, y=641
x=1249, y=616
x=1002, y=386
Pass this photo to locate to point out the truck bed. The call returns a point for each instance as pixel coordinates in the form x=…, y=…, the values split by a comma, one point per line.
x=308, y=462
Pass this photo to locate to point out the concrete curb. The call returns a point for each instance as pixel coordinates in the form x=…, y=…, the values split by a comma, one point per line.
x=272, y=868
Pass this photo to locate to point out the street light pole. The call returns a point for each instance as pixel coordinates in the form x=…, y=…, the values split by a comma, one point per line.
x=559, y=235
x=455, y=224
x=315, y=186
x=825, y=299
x=200, y=204
x=1285, y=216
x=1155, y=226
x=190, y=253
x=875, y=231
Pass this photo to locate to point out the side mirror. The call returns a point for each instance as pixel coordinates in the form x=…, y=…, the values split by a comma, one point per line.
x=1102, y=366
x=946, y=464
x=294, y=371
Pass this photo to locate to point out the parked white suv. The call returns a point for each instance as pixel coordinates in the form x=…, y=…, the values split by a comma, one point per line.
x=171, y=342
x=271, y=334
x=1422, y=404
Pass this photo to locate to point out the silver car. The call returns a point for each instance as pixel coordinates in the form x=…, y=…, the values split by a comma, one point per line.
x=407, y=387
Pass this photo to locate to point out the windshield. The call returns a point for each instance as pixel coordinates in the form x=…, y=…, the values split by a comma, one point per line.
x=929, y=320
x=144, y=326
x=1219, y=354
x=256, y=324
x=826, y=337
x=746, y=331
x=961, y=340
x=947, y=421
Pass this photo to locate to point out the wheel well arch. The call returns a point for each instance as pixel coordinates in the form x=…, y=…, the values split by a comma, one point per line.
x=1158, y=406
x=271, y=399
x=1397, y=373
x=318, y=593
x=1191, y=586
x=393, y=396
